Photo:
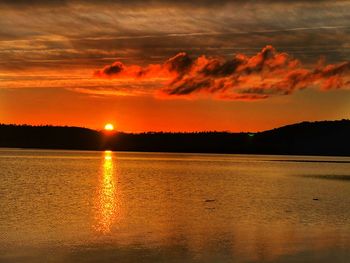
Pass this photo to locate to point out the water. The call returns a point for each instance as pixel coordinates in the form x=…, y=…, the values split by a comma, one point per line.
x=73, y=206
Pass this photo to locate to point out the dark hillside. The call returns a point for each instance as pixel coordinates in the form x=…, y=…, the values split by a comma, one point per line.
x=323, y=137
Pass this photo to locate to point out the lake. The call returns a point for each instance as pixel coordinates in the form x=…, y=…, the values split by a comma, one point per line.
x=82, y=206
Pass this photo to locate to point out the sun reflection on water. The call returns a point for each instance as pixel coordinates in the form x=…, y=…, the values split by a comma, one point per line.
x=107, y=202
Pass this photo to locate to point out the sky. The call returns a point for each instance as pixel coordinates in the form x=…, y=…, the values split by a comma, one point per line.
x=180, y=65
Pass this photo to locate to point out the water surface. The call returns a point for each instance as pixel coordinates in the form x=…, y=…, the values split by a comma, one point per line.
x=74, y=206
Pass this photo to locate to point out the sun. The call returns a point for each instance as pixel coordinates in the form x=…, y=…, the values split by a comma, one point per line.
x=109, y=127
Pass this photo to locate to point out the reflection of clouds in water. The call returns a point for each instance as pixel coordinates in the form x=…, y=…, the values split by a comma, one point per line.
x=328, y=177
x=258, y=246
x=106, y=199
x=264, y=212
x=254, y=218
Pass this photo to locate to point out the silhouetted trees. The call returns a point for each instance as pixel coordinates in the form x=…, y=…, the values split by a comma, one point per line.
x=309, y=138
x=49, y=137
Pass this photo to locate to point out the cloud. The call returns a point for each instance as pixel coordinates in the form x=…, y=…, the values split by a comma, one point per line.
x=265, y=74
x=176, y=67
x=34, y=35
x=142, y=2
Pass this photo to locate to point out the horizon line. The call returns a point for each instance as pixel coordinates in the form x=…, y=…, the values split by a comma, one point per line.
x=150, y=131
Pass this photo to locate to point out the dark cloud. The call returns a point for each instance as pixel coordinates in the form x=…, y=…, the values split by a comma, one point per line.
x=180, y=63
x=152, y=2
x=59, y=34
x=34, y=2
x=114, y=69
x=260, y=76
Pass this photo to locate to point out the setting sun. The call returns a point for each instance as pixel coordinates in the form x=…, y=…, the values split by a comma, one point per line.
x=174, y=131
x=109, y=127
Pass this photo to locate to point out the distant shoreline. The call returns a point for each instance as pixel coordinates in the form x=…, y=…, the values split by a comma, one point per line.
x=323, y=138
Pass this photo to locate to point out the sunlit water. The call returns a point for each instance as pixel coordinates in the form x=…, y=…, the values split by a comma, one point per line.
x=72, y=206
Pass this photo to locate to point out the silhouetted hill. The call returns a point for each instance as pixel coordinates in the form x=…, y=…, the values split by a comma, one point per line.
x=323, y=137
x=309, y=138
x=48, y=137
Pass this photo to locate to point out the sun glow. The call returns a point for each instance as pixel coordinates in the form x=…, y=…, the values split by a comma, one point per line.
x=109, y=127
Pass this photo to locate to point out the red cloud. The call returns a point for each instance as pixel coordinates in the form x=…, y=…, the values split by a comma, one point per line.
x=260, y=76
x=118, y=70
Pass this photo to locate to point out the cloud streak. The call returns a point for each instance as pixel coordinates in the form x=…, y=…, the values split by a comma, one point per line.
x=44, y=34
x=265, y=74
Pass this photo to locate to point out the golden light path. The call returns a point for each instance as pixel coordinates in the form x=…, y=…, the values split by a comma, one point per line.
x=107, y=202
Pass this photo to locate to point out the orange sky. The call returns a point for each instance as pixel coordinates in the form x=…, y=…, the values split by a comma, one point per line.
x=166, y=66
x=127, y=113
